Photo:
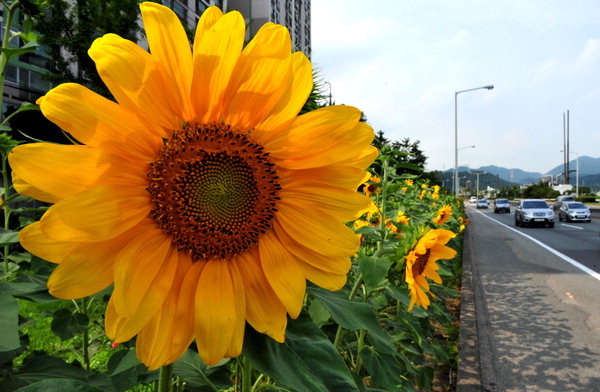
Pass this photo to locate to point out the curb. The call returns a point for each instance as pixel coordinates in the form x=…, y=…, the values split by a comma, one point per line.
x=475, y=370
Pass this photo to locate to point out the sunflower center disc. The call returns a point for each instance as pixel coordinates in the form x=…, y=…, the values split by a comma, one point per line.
x=213, y=191
x=421, y=263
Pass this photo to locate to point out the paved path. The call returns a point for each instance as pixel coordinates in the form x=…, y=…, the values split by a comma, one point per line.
x=529, y=320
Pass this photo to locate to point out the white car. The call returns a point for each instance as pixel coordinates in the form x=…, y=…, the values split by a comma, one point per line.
x=473, y=199
x=482, y=203
x=574, y=211
x=534, y=212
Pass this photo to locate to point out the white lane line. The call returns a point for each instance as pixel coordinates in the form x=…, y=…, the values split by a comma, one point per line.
x=575, y=227
x=566, y=258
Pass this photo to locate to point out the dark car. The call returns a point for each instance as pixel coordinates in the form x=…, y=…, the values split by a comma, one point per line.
x=501, y=205
x=560, y=200
x=574, y=211
x=533, y=212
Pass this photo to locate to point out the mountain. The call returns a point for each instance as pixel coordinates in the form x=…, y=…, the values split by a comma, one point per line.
x=513, y=175
x=587, y=166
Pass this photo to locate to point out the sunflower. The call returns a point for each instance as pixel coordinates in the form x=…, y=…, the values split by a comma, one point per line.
x=443, y=215
x=373, y=186
x=200, y=193
x=402, y=218
x=421, y=264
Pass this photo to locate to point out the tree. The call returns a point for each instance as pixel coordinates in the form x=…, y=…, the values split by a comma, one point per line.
x=68, y=30
x=405, y=156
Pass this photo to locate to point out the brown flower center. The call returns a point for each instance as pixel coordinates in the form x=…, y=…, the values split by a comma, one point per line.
x=213, y=190
x=420, y=263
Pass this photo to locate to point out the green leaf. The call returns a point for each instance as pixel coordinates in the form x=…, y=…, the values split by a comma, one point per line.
x=9, y=323
x=41, y=367
x=354, y=316
x=383, y=369
x=125, y=370
x=306, y=361
x=27, y=48
x=374, y=271
x=318, y=313
x=8, y=237
x=59, y=384
x=66, y=324
x=196, y=374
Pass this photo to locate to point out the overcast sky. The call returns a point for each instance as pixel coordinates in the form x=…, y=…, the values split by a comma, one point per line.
x=400, y=62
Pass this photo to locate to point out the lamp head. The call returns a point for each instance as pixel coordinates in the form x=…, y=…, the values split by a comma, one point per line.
x=490, y=87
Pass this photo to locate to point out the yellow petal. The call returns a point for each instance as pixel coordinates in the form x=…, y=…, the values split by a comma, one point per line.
x=217, y=47
x=296, y=95
x=264, y=311
x=219, y=311
x=340, y=176
x=261, y=78
x=83, y=114
x=345, y=205
x=336, y=265
x=283, y=273
x=136, y=80
x=155, y=344
x=86, y=270
x=94, y=215
x=317, y=231
x=144, y=272
x=58, y=170
x=323, y=279
x=27, y=189
x=35, y=241
x=209, y=17
x=169, y=45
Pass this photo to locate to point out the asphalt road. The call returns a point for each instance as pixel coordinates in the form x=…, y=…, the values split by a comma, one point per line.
x=532, y=322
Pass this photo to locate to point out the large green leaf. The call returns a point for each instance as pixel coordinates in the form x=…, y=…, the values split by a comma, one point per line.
x=306, y=361
x=383, y=369
x=8, y=237
x=66, y=324
x=59, y=384
x=39, y=367
x=197, y=375
x=27, y=290
x=125, y=370
x=374, y=270
x=9, y=323
x=354, y=316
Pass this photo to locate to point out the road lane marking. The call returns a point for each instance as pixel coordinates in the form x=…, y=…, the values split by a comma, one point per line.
x=566, y=258
x=575, y=227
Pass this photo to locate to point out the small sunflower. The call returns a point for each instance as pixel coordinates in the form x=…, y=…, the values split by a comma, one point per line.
x=401, y=218
x=421, y=264
x=200, y=193
x=372, y=187
x=443, y=215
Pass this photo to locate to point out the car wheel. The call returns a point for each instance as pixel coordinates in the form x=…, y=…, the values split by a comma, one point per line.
x=551, y=225
x=589, y=221
x=559, y=218
x=516, y=221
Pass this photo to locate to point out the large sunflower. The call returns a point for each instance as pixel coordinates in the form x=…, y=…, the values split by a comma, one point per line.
x=200, y=193
x=421, y=264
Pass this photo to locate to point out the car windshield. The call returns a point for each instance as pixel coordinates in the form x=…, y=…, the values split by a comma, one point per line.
x=501, y=201
x=576, y=205
x=535, y=204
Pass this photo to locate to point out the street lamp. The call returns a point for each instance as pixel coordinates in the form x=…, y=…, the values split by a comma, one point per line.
x=329, y=84
x=478, y=173
x=456, y=130
x=454, y=183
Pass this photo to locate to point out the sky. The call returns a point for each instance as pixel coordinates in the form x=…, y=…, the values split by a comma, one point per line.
x=401, y=62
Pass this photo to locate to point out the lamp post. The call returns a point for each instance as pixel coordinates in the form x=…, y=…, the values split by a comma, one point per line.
x=478, y=173
x=455, y=168
x=329, y=84
x=456, y=130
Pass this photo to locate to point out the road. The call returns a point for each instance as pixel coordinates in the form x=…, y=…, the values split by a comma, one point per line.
x=536, y=316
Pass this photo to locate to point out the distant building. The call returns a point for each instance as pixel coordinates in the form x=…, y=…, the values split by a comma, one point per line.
x=293, y=14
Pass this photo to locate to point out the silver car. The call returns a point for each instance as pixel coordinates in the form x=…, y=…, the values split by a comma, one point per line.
x=533, y=212
x=501, y=205
x=574, y=211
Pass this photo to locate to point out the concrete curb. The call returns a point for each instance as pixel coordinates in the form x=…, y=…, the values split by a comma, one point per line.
x=475, y=370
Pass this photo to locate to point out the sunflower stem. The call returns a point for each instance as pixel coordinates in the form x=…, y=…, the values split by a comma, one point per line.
x=338, y=333
x=246, y=375
x=165, y=378
x=85, y=337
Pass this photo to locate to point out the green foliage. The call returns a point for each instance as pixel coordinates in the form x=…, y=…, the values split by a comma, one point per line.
x=67, y=30
x=541, y=190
